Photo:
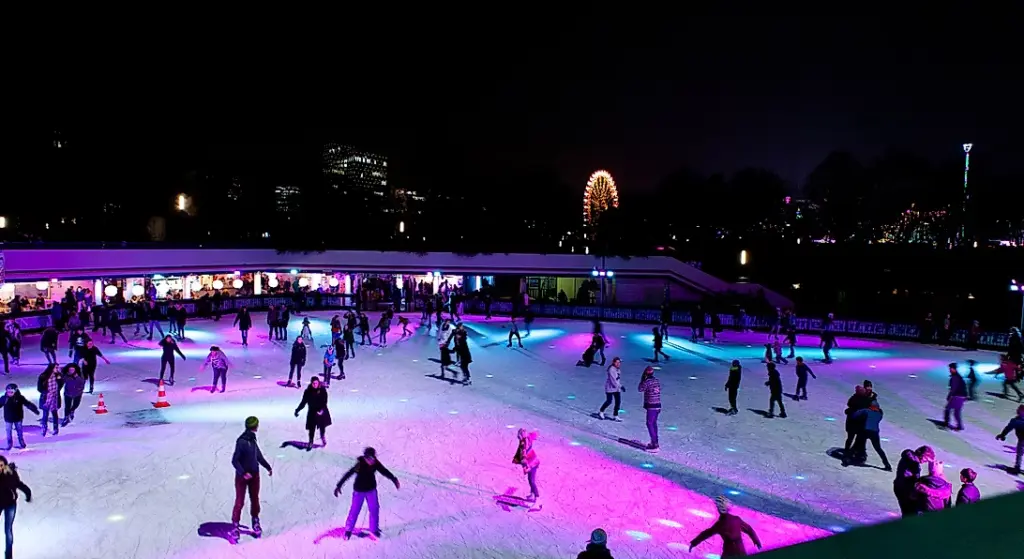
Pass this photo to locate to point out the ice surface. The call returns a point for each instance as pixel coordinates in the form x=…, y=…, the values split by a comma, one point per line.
x=139, y=482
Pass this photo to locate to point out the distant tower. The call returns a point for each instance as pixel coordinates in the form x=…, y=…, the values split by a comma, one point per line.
x=967, y=193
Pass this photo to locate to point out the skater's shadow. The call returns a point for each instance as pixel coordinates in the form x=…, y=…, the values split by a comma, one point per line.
x=493, y=344
x=762, y=413
x=201, y=388
x=793, y=397
x=446, y=379
x=723, y=411
x=434, y=359
x=939, y=424
x=153, y=381
x=222, y=530
x=299, y=445
x=1002, y=467
x=1009, y=449
x=284, y=384
x=999, y=395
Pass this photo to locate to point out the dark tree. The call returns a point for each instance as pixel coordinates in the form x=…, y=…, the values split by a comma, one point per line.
x=839, y=185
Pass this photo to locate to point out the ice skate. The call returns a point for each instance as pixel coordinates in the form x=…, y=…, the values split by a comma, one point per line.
x=783, y=415
x=323, y=440
x=600, y=414
x=617, y=418
x=653, y=449
x=257, y=530
x=377, y=534
x=348, y=535
x=234, y=533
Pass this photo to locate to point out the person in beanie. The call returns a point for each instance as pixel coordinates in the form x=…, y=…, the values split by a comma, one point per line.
x=14, y=404
x=651, y=387
x=247, y=460
x=732, y=386
x=1016, y=425
x=10, y=484
x=364, y=489
x=597, y=547
x=613, y=389
x=731, y=529
x=774, y=384
x=219, y=361
x=968, y=491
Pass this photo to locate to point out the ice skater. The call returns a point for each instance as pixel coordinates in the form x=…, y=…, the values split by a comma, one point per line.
x=526, y=457
x=1016, y=425
x=349, y=335
x=955, y=399
x=1008, y=369
x=443, y=334
x=464, y=356
x=404, y=323
x=868, y=421
x=14, y=404
x=658, y=345
x=777, y=348
x=774, y=384
x=587, y=359
x=828, y=343
x=247, y=460
x=297, y=362
x=48, y=344
x=307, y=334
x=791, y=342
x=88, y=358
x=732, y=386
x=330, y=357
x=364, y=489
x=220, y=363
x=613, y=389
x=383, y=325
x=802, y=370
x=49, y=385
x=74, y=386
x=908, y=472
x=10, y=484
x=169, y=347
x=731, y=529
x=513, y=330
x=318, y=416
x=651, y=388
x=243, y=320
x=972, y=380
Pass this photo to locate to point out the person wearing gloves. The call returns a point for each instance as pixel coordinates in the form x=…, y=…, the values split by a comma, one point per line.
x=14, y=404
x=317, y=414
x=247, y=460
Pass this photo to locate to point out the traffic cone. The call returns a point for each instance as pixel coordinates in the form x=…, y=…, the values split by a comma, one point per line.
x=161, y=397
x=102, y=407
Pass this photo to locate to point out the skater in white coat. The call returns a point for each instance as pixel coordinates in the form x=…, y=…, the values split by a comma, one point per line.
x=613, y=389
x=444, y=332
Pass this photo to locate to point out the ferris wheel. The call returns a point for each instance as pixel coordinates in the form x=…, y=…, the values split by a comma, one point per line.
x=600, y=195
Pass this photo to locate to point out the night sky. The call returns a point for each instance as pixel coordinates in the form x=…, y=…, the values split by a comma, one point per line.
x=712, y=94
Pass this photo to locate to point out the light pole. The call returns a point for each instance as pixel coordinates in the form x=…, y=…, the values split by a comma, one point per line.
x=1015, y=286
x=967, y=195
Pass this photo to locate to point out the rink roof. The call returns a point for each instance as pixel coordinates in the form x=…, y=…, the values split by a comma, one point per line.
x=41, y=264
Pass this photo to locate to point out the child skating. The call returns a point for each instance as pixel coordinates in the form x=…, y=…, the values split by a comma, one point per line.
x=526, y=457
x=802, y=370
x=777, y=348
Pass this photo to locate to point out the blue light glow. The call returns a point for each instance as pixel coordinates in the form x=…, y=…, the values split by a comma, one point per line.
x=734, y=492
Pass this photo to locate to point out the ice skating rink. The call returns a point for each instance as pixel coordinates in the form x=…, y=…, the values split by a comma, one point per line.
x=139, y=482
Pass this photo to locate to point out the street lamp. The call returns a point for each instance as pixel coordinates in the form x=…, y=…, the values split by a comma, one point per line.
x=1015, y=286
x=603, y=274
x=967, y=195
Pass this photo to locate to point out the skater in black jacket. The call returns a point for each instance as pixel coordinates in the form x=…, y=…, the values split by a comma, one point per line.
x=364, y=489
x=732, y=386
x=244, y=322
x=169, y=347
x=955, y=398
x=247, y=460
x=317, y=414
x=48, y=344
x=14, y=403
x=774, y=384
x=802, y=370
x=297, y=362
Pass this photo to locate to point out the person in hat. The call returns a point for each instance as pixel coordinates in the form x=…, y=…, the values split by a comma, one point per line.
x=597, y=547
x=731, y=529
x=364, y=489
x=247, y=460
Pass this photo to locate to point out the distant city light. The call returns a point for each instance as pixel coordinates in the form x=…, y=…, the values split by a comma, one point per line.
x=401, y=227
x=182, y=203
x=3, y=222
x=743, y=258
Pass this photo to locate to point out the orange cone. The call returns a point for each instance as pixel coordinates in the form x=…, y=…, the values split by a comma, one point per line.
x=161, y=397
x=102, y=407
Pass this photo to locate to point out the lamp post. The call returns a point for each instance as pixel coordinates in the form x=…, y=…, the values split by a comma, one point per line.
x=1019, y=288
x=603, y=274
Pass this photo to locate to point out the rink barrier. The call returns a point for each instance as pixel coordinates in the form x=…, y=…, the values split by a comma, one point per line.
x=858, y=328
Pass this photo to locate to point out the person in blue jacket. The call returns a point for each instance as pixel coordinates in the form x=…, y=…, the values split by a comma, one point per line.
x=869, y=419
x=1017, y=425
